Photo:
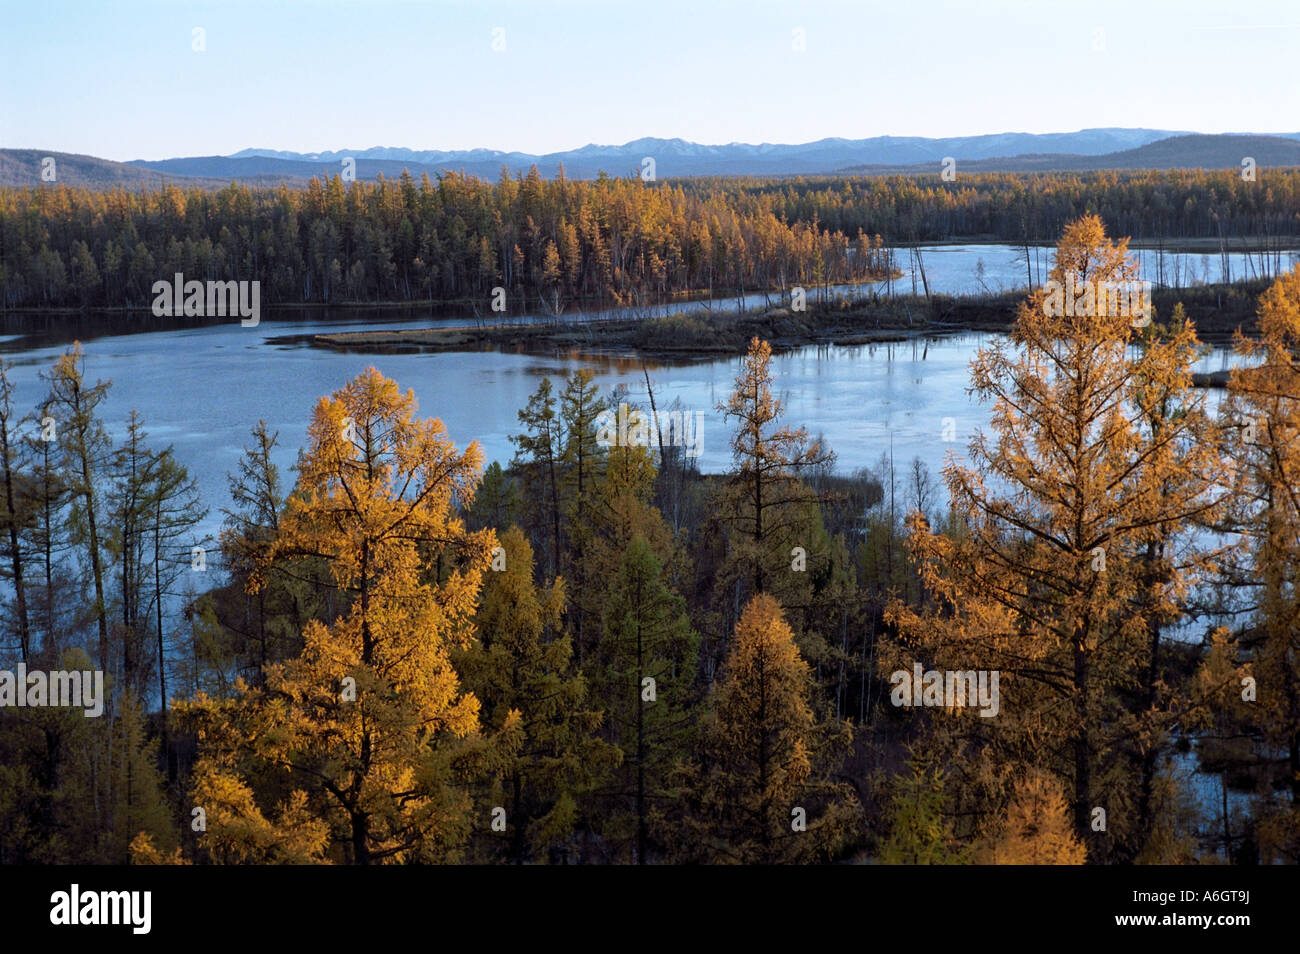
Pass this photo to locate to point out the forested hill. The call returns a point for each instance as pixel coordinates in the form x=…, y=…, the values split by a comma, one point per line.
x=552, y=243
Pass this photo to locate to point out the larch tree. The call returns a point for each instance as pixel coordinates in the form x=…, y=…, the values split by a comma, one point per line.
x=765, y=499
x=370, y=721
x=1037, y=828
x=762, y=790
x=1065, y=569
x=766, y=517
x=1176, y=480
x=84, y=450
x=1263, y=441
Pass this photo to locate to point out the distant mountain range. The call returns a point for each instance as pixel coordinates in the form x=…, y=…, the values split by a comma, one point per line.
x=677, y=157
x=1193, y=151
x=1088, y=149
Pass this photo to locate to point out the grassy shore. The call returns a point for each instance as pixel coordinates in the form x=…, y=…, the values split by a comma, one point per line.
x=1217, y=310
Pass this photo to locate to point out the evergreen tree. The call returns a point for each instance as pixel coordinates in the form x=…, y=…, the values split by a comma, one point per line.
x=537, y=458
x=15, y=513
x=919, y=833
x=582, y=458
x=496, y=503
x=520, y=667
x=646, y=664
x=762, y=791
x=271, y=599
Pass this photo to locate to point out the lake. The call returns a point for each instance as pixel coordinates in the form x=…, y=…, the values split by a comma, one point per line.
x=200, y=388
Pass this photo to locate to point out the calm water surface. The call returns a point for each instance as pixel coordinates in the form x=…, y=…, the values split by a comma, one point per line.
x=201, y=388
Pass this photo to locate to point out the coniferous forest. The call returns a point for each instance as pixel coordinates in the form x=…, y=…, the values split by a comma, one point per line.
x=553, y=244
x=847, y=454
x=595, y=653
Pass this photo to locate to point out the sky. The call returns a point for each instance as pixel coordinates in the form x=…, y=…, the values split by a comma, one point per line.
x=122, y=79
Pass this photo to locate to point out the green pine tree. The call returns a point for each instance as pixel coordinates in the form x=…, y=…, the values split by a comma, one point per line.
x=520, y=663
x=646, y=664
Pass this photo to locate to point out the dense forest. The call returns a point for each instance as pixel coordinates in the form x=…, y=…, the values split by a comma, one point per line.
x=547, y=243
x=553, y=244
x=594, y=653
x=1156, y=205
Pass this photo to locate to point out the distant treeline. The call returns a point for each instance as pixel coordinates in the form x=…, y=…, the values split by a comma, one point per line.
x=1179, y=205
x=552, y=243
x=547, y=243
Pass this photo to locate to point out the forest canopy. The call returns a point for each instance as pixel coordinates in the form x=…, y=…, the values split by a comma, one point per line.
x=595, y=653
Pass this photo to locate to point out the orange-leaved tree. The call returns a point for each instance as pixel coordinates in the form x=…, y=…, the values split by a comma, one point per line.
x=766, y=509
x=1072, y=556
x=368, y=731
x=763, y=789
x=1263, y=443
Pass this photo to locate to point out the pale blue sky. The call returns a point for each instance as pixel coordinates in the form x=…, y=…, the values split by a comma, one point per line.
x=120, y=79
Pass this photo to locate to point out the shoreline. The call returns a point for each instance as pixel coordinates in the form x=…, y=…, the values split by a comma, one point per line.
x=459, y=308
x=1217, y=311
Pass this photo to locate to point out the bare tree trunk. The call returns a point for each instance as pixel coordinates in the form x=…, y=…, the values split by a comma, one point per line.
x=11, y=519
